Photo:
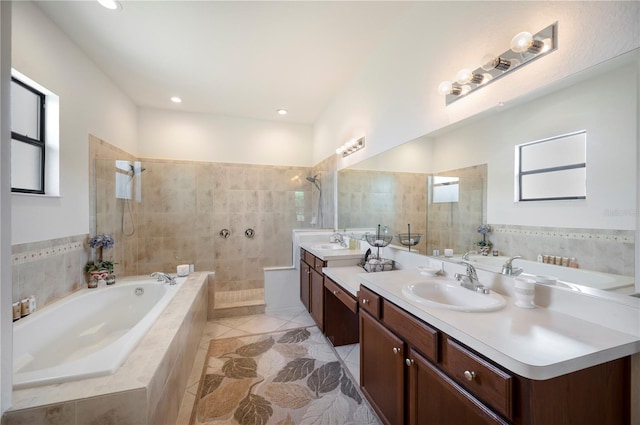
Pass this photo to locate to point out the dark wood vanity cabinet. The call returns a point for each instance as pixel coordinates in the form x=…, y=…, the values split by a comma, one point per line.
x=340, y=314
x=312, y=286
x=412, y=373
x=305, y=276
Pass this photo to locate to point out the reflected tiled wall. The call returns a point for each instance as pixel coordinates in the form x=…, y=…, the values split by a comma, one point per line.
x=608, y=251
x=369, y=198
x=326, y=171
x=454, y=224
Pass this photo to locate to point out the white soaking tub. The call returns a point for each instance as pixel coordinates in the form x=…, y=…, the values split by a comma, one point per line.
x=87, y=334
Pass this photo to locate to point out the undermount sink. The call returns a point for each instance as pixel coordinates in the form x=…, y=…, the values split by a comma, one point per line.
x=450, y=295
x=328, y=246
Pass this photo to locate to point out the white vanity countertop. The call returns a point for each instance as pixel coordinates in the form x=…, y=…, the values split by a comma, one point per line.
x=538, y=343
x=331, y=254
x=347, y=277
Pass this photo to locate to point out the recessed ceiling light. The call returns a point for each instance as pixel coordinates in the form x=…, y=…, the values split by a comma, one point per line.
x=110, y=4
x=176, y=99
x=282, y=112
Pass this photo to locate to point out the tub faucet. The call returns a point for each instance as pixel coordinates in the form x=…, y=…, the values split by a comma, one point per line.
x=509, y=270
x=164, y=277
x=470, y=280
x=465, y=256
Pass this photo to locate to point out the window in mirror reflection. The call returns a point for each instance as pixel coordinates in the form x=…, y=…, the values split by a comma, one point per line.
x=552, y=169
x=445, y=189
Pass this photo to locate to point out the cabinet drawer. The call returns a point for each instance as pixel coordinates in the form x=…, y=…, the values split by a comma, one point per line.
x=308, y=257
x=347, y=299
x=481, y=378
x=319, y=264
x=370, y=301
x=417, y=333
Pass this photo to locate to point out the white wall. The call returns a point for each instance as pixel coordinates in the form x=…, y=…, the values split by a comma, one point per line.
x=205, y=137
x=89, y=103
x=394, y=98
x=605, y=106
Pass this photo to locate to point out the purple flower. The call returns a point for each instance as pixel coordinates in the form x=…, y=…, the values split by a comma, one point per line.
x=484, y=229
x=102, y=241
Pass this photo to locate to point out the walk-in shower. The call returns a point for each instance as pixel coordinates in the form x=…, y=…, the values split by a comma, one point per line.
x=317, y=220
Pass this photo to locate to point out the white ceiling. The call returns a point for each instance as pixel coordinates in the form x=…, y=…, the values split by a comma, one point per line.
x=234, y=58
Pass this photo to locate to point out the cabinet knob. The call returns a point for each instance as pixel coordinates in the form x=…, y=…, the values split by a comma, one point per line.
x=396, y=350
x=335, y=292
x=469, y=376
x=409, y=362
x=365, y=301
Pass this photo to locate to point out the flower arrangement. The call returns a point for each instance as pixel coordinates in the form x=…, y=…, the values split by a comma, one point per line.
x=484, y=244
x=100, y=243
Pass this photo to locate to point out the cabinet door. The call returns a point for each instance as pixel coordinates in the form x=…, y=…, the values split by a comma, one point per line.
x=316, y=301
x=305, y=270
x=382, y=369
x=434, y=398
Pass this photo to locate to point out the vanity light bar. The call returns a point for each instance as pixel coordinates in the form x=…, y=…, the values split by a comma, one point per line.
x=525, y=47
x=350, y=147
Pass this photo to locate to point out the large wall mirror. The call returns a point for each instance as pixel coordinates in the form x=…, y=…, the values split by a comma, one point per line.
x=599, y=231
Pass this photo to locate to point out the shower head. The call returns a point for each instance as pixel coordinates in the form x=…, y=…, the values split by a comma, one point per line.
x=134, y=171
x=315, y=180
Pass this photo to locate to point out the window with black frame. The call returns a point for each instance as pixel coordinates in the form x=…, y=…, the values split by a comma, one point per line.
x=552, y=169
x=27, y=138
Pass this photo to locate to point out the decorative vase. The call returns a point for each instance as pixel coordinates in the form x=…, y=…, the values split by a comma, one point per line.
x=111, y=279
x=485, y=250
x=97, y=277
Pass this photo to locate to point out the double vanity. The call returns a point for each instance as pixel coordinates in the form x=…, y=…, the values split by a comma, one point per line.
x=432, y=351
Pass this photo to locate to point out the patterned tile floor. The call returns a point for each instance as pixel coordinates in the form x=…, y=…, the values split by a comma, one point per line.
x=247, y=325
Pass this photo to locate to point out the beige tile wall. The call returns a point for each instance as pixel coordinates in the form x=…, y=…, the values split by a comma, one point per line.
x=185, y=205
x=49, y=270
x=369, y=198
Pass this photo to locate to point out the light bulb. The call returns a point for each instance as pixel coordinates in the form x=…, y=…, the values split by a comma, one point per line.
x=524, y=42
x=521, y=42
x=464, y=76
x=491, y=61
x=340, y=150
x=445, y=88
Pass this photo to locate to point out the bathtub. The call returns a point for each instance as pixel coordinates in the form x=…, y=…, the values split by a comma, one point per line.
x=87, y=334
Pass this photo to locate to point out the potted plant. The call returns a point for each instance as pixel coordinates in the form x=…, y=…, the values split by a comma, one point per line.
x=98, y=268
x=484, y=246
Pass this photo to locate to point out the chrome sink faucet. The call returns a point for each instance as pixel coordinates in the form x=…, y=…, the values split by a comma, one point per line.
x=470, y=280
x=338, y=238
x=509, y=270
x=164, y=277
